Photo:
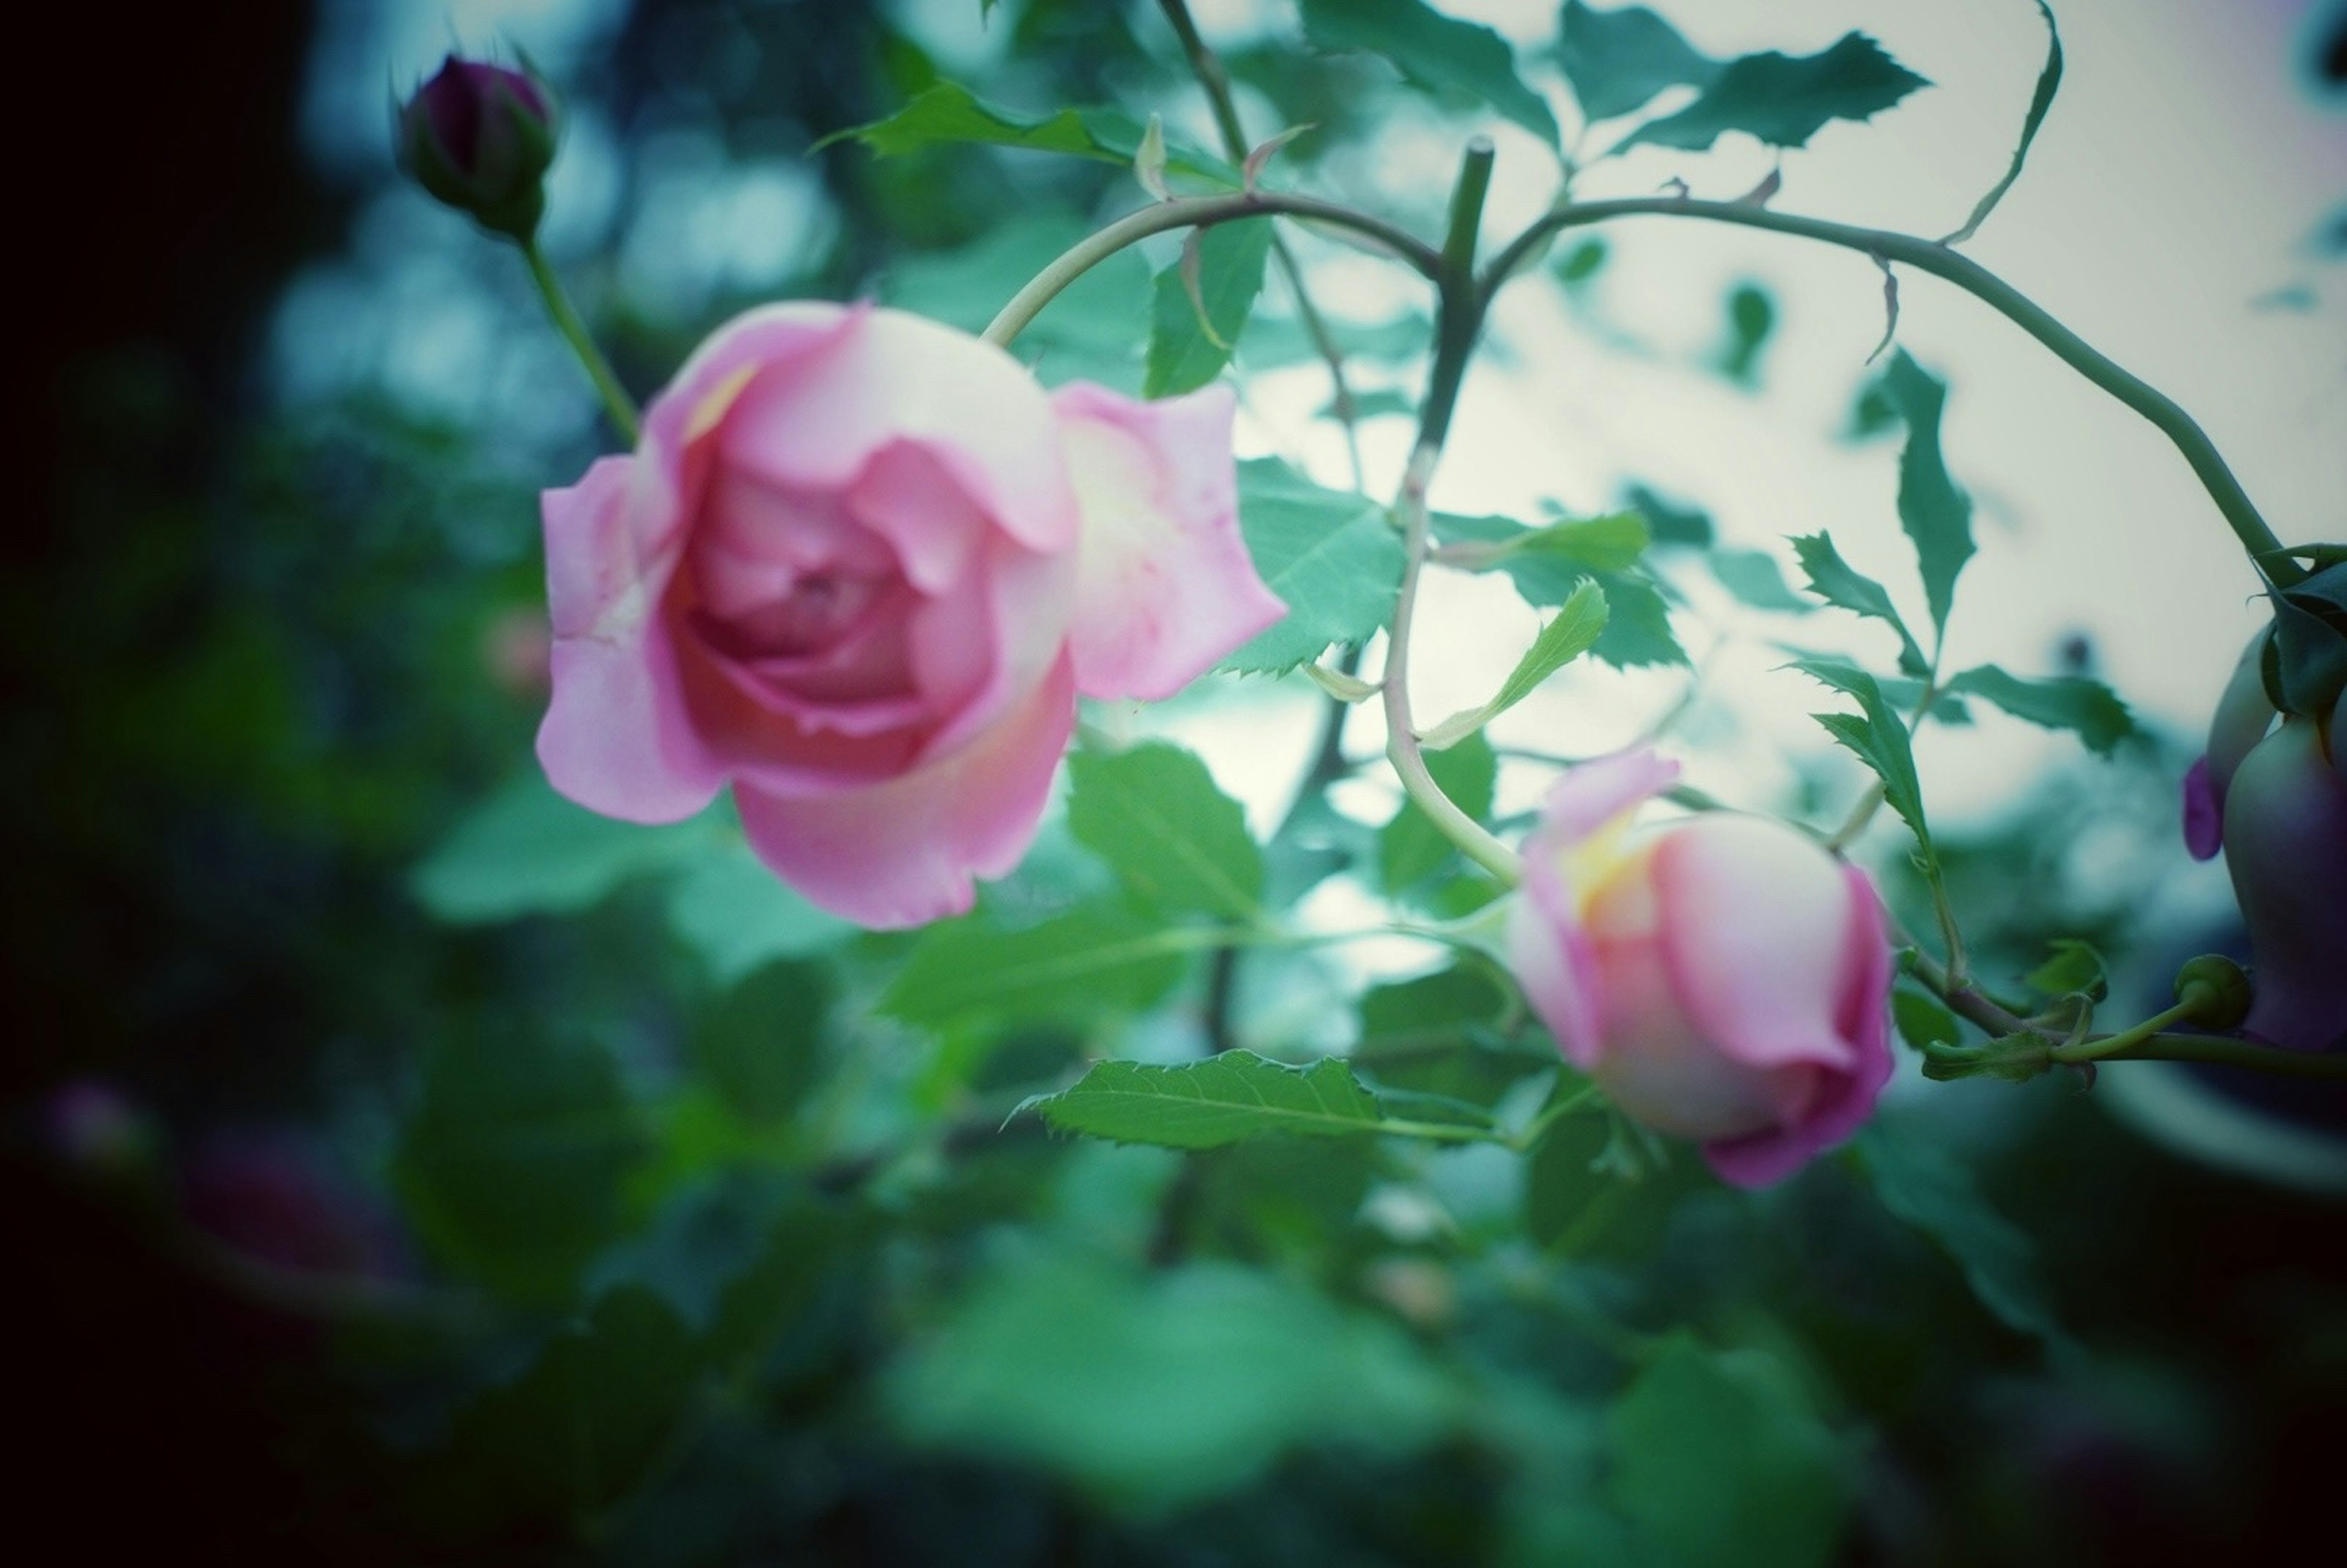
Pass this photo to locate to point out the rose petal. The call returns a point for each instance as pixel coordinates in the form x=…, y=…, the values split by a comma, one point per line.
x=1552, y=957
x=2285, y=847
x=2204, y=812
x=887, y=378
x=903, y=852
x=616, y=738
x=1166, y=586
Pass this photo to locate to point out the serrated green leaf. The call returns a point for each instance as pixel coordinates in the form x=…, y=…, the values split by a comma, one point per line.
x=1177, y=842
x=1330, y=555
x=1613, y=542
x=1618, y=59
x=2049, y=79
x=2087, y=708
x=1410, y=848
x=1923, y=1186
x=1923, y=1020
x=1936, y=516
x=1437, y=53
x=1573, y=632
x=1877, y=737
x=948, y=113
x=1185, y=352
x=525, y=850
x=1638, y=624
x=1205, y=1104
x=1785, y=99
x=1834, y=580
x=1719, y=1456
x=1753, y=577
x=1099, y=955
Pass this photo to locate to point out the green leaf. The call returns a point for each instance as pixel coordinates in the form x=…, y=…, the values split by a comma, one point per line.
x=1924, y=1187
x=2075, y=968
x=1085, y=331
x=512, y=1164
x=1618, y=59
x=1178, y=844
x=1670, y=523
x=1751, y=317
x=1833, y=579
x=1099, y=955
x=1154, y=1392
x=1185, y=352
x=1753, y=577
x=1717, y=1457
x=525, y=850
x=1205, y=1104
x=947, y=114
x=584, y=1424
x=1613, y=542
x=1410, y=848
x=1582, y=263
x=2048, y=80
x=1572, y=632
x=760, y=1045
x=1331, y=554
x=738, y=916
x=1877, y=737
x=2087, y=708
x=1437, y=53
x=1638, y=624
x=1935, y=514
x=1785, y=99
x=1923, y=1020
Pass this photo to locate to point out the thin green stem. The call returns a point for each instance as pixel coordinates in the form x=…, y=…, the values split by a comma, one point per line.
x=2220, y=1050
x=1195, y=211
x=617, y=404
x=2267, y=554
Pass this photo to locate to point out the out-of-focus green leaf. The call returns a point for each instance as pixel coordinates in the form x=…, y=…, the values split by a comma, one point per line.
x=1331, y=556
x=1185, y=353
x=1274, y=341
x=737, y=915
x=2073, y=968
x=1617, y=59
x=1877, y=737
x=1753, y=577
x=1935, y=514
x=583, y=1426
x=1205, y=1104
x=2087, y=708
x=760, y=1044
x=1785, y=99
x=1087, y=330
x=1922, y=1020
x=1834, y=580
x=1158, y=1392
x=2049, y=80
x=1439, y=54
x=1924, y=1185
x=1438, y=1035
x=1409, y=847
x=1099, y=955
x=1175, y=841
x=947, y=113
x=513, y=1161
x=1670, y=522
x=525, y=850
x=1613, y=542
x=1751, y=317
x=1717, y=1457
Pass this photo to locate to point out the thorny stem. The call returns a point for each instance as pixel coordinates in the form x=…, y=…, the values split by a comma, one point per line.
x=1216, y=83
x=1195, y=211
x=2266, y=552
x=617, y=404
x=1458, y=318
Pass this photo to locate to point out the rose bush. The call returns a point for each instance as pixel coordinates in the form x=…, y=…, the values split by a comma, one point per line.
x=859, y=568
x=2274, y=799
x=1723, y=979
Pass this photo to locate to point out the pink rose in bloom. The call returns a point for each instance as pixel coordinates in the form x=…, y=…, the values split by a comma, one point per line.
x=1722, y=978
x=859, y=568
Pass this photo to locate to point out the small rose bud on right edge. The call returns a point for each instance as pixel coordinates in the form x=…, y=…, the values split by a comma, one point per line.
x=479, y=139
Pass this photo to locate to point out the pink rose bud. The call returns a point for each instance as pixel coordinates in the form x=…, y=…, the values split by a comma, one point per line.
x=479, y=138
x=859, y=568
x=2244, y=713
x=1722, y=978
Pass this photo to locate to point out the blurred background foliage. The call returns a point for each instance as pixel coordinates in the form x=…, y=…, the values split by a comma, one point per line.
x=403, y=1167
